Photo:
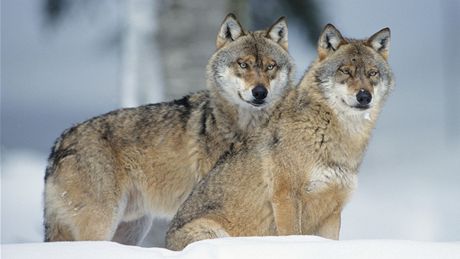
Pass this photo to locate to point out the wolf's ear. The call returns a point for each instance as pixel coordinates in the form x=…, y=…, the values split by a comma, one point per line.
x=380, y=41
x=230, y=30
x=279, y=32
x=329, y=41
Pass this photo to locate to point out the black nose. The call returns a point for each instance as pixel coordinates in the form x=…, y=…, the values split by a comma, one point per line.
x=259, y=92
x=364, y=97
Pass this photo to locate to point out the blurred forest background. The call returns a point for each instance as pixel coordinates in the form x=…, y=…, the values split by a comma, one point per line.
x=64, y=61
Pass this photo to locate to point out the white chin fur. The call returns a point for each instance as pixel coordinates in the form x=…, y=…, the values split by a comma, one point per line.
x=343, y=104
x=236, y=93
x=231, y=86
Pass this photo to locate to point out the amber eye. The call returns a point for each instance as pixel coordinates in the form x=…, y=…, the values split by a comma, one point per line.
x=373, y=73
x=345, y=71
x=243, y=65
x=271, y=66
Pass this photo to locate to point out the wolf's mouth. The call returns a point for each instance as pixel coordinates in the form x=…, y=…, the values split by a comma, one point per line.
x=255, y=102
x=358, y=106
x=362, y=107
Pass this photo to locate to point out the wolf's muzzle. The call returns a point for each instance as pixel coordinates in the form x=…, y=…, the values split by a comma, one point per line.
x=363, y=97
x=259, y=92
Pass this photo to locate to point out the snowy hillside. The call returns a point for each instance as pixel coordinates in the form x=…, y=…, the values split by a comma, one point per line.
x=251, y=247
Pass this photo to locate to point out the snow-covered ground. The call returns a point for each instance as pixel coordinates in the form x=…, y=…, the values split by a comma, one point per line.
x=248, y=247
x=22, y=174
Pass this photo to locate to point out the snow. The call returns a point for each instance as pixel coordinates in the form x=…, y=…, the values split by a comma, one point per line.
x=22, y=181
x=242, y=247
x=406, y=190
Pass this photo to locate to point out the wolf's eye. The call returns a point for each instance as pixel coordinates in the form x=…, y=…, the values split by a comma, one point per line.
x=271, y=66
x=373, y=73
x=345, y=71
x=243, y=65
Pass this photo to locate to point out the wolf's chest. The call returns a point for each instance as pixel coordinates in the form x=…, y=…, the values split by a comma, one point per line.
x=321, y=179
x=324, y=193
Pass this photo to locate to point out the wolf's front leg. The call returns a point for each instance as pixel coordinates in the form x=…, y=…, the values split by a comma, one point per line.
x=196, y=230
x=133, y=232
x=287, y=215
x=330, y=228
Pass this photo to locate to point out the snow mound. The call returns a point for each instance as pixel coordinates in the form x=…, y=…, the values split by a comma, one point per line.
x=242, y=247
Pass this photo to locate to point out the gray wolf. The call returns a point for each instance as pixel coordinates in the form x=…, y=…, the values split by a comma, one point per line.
x=108, y=177
x=295, y=175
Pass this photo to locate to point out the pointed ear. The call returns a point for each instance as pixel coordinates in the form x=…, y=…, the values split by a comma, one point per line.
x=230, y=30
x=329, y=41
x=380, y=41
x=279, y=32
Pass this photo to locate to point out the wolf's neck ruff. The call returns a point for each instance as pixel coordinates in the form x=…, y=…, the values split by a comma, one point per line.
x=354, y=129
x=239, y=118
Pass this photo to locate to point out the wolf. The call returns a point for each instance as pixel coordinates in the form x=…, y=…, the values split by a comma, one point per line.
x=108, y=177
x=295, y=175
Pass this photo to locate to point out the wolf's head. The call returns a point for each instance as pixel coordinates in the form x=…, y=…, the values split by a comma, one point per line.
x=251, y=69
x=354, y=75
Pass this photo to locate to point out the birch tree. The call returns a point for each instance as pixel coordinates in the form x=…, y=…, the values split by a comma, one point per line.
x=141, y=64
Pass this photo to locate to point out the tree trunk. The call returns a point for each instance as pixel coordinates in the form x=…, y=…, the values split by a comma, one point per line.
x=187, y=33
x=166, y=46
x=141, y=76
